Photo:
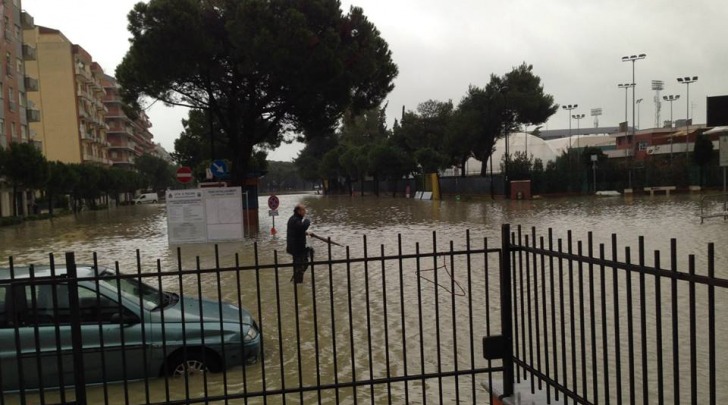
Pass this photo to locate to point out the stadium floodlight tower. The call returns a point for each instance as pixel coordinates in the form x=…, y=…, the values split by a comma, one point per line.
x=686, y=81
x=596, y=112
x=657, y=86
x=569, y=108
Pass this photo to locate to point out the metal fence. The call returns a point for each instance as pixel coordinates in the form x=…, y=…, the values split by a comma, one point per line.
x=398, y=327
x=582, y=322
x=594, y=324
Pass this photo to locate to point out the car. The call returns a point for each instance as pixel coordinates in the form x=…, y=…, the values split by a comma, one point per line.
x=129, y=329
x=146, y=198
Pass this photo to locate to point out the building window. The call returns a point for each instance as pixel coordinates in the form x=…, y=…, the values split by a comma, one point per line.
x=17, y=31
x=12, y=130
x=19, y=66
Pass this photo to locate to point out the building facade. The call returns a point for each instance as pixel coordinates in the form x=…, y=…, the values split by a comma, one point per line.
x=72, y=127
x=16, y=110
x=128, y=132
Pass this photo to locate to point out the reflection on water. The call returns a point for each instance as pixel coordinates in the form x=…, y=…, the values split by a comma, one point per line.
x=116, y=236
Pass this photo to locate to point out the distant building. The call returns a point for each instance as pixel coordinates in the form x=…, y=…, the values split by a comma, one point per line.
x=72, y=127
x=128, y=137
x=16, y=111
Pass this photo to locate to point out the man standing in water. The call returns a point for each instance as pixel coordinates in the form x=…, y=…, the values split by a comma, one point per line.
x=296, y=242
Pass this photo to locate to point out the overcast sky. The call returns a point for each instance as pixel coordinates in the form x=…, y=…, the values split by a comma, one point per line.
x=442, y=47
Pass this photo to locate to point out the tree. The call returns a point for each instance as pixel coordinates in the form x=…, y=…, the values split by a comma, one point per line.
x=260, y=67
x=26, y=169
x=425, y=134
x=156, y=172
x=61, y=181
x=506, y=103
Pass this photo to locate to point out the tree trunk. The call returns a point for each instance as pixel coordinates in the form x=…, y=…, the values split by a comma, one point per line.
x=15, y=200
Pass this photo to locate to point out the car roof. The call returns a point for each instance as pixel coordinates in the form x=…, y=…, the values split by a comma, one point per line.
x=23, y=272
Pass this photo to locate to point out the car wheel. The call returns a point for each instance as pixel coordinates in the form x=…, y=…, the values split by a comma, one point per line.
x=138, y=202
x=192, y=364
x=154, y=202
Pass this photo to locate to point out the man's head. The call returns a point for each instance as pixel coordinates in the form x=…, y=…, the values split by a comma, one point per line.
x=300, y=209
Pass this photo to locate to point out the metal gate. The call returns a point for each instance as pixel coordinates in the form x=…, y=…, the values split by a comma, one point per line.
x=384, y=323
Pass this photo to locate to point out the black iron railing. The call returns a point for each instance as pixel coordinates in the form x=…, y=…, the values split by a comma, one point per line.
x=581, y=321
x=397, y=327
x=593, y=325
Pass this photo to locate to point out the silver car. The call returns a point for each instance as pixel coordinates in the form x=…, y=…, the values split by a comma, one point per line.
x=129, y=330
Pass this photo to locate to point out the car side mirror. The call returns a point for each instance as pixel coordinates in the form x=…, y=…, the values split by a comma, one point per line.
x=125, y=319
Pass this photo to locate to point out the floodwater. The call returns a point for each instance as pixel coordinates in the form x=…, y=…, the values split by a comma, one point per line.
x=116, y=234
x=136, y=235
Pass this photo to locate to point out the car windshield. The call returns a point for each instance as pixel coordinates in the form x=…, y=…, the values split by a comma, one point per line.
x=150, y=297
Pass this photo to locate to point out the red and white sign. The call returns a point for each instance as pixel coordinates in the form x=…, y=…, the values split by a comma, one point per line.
x=184, y=174
x=273, y=202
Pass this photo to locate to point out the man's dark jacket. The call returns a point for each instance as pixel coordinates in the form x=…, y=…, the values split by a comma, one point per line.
x=296, y=235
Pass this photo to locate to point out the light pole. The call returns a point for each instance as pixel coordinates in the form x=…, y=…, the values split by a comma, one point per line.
x=686, y=81
x=626, y=87
x=671, y=98
x=568, y=108
x=639, y=125
x=633, y=59
x=578, y=118
x=506, y=123
x=596, y=112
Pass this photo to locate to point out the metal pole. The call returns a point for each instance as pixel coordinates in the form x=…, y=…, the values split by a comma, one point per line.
x=594, y=173
x=687, y=123
x=79, y=380
x=506, y=311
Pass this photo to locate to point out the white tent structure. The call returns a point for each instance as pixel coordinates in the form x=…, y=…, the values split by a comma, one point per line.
x=536, y=148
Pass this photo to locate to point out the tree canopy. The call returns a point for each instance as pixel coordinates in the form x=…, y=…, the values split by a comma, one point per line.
x=262, y=68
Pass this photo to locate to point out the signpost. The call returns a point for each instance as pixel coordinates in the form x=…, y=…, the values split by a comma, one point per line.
x=219, y=169
x=184, y=174
x=273, y=203
x=723, y=147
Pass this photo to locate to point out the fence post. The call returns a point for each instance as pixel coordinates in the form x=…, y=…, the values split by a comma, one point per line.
x=506, y=310
x=79, y=380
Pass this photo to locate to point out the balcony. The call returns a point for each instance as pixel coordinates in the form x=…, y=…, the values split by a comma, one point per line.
x=27, y=21
x=28, y=52
x=31, y=84
x=32, y=114
x=82, y=74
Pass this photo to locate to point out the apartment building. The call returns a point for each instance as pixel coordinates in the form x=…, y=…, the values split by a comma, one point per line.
x=128, y=132
x=72, y=127
x=15, y=110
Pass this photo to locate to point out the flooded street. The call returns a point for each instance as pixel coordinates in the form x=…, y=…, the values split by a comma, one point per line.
x=115, y=236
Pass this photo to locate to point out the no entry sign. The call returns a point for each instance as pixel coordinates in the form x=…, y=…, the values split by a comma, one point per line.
x=184, y=174
x=273, y=202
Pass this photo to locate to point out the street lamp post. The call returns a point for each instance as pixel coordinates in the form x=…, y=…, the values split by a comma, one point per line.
x=686, y=81
x=626, y=87
x=506, y=123
x=568, y=108
x=639, y=125
x=671, y=98
x=633, y=59
x=578, y=118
